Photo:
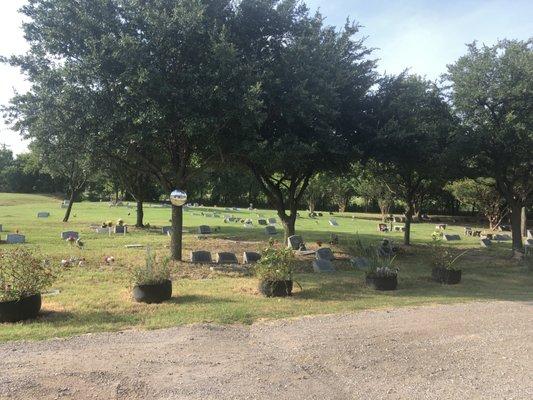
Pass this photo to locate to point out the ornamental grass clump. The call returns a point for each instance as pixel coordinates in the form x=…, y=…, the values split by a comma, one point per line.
x=443, y=257
x=23, y=273
x=154, y=271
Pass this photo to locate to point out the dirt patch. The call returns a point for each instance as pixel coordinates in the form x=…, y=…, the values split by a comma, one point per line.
x=462, y=351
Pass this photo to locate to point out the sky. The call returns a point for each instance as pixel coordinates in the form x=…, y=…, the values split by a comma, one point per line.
x=422, y=35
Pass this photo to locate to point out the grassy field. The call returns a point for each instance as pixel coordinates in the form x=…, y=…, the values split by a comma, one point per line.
x=96, y=296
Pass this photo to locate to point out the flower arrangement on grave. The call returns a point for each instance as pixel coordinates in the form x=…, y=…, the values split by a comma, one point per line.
x=120, y=222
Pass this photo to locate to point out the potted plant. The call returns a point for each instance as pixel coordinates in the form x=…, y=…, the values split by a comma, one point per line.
x=274, y=270
x=444, y=270
x=382, y=275
x=151, y=282
x=23, y=277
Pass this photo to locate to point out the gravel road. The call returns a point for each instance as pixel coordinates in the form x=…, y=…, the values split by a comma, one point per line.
x=461, y=351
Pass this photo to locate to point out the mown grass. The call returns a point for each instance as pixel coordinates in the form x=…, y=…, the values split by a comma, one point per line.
x=96, y=297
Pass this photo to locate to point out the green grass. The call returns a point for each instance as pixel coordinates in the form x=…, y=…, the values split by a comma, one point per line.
x=96, y=297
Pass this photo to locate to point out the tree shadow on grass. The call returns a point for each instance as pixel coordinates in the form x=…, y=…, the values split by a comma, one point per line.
x=196, y=299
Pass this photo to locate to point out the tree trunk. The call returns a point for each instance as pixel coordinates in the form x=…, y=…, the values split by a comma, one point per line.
x=408, y=219
x=69, y=208
x=311, y=205
x=289, y=224
x=342, y=207
x=140, y=214
x=516, y=219
x=523, y=222
x=177, y=232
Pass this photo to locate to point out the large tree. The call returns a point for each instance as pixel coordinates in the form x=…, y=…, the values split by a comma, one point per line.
x=413, y=129
x=162, y=73
x=311, y=82
x=491, y=90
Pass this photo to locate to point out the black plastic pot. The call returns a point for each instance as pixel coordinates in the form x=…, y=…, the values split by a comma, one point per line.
x=276, y=288
x=446, y=276
x=153, y=293
x=382, y=282
x=18, y=310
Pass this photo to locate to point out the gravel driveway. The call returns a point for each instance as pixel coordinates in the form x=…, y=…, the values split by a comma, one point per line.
x=462, y=351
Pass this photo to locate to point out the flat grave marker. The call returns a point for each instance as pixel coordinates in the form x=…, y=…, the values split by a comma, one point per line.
x=451, y=237
x=201, y=256
x=271, y=230
x=485, y=242
x=43, y=214
x=333, y=222
x=249, y=257
x=66, y=234
x=15, y=238
x=204, y=230
x=225, y=257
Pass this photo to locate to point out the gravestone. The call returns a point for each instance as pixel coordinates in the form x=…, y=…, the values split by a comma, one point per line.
x=166, y=230
x=399, y=228
x=440, y=226
x=201, y=256
x=15, y=238
x=271, y=230
x=262, y=221
x=134, y=246
x=204, y=230
x=322, y=265
x=63, y=205
x=324, y=253
x=451, y=237
x=529, y=242
x=272, y=221
x=66, y=234
x=248, y=223
x=295, y=242
x=43, y=214
x=361, y=263
x=121, y=229
x=501, y=237
x=529, y=234
x=333, y=222
x=320, y=214
x=102, y=230
x=249, y=257
x=485, y=243
x=225, y=257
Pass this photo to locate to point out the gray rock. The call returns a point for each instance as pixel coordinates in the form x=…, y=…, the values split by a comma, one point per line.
x=324, y=253
x=322, y=265
x=250, y=257
x=15, y=238
x=225, y=257
x=66, y=234
x=201, y=256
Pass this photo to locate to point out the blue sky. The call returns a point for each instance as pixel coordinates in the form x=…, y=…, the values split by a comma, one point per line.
x=423, y=35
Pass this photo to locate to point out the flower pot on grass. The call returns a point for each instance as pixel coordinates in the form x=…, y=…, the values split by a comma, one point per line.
x=447, y=276
x=276, y=288
x=153, y=293
x=23, y=277
x=21, y=309
x=151, y=282
x=376, y=282
x=274, y=270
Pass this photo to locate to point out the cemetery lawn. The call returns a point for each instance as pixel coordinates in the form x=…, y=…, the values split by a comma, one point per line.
x=96, y=297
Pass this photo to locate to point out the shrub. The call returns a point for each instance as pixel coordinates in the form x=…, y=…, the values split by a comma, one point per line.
x=444, y=257
x=153, y=272
x=276, y=264
x=23, y=274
